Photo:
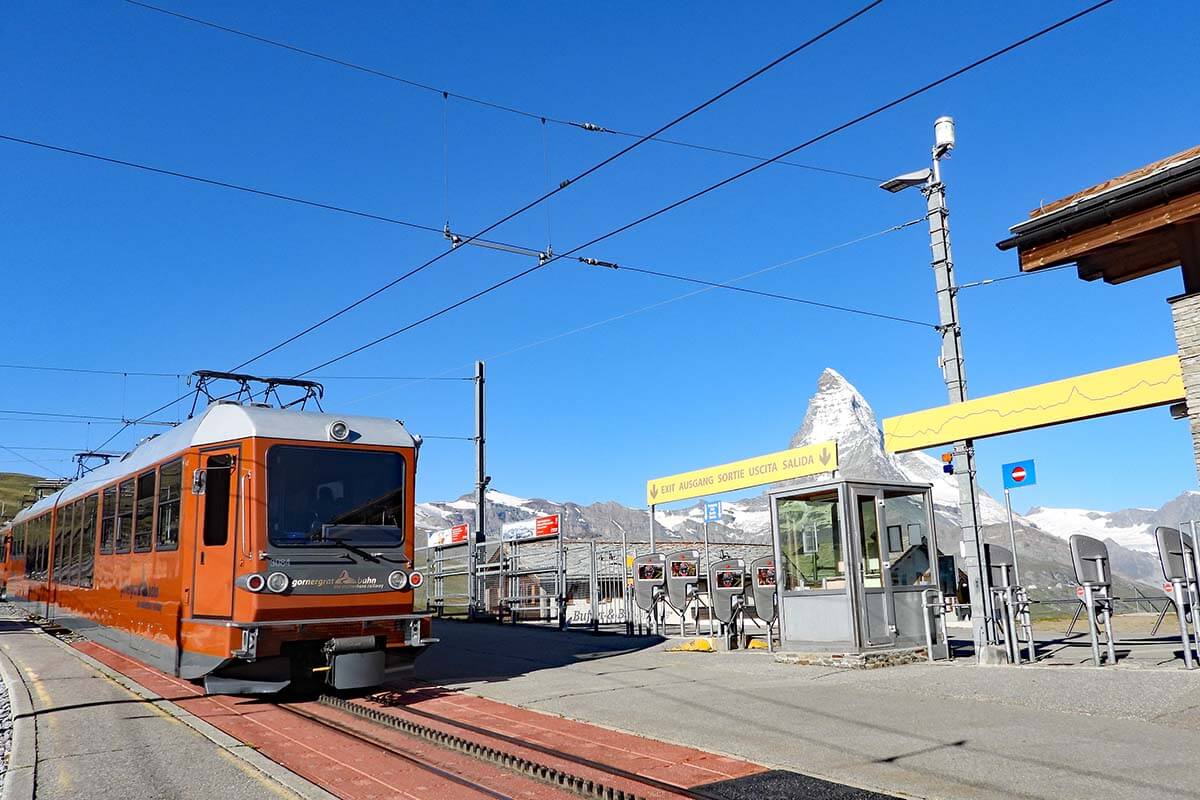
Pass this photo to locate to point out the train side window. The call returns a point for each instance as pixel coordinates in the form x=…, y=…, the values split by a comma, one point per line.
x=170, y=487
x=143, y=526
x=219, y=470
x=70, y=556
x=87, y=541
x=43, y=572
x=39, y=531
x=124, y=517
x=108, y=520
x=30, y=546
x=62, y=531
x=19, y=541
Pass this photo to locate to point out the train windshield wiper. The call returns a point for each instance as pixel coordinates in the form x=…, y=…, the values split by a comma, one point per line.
x=353, y=548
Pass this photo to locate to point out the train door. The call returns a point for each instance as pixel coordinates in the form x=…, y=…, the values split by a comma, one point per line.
x=216, y=520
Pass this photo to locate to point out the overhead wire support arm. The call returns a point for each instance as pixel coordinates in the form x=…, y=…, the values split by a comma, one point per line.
x=457, y=241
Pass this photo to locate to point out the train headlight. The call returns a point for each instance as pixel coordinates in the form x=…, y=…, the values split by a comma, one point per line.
x=339, y=431
x=416, y=579
x=256, y=582
x=398, y=580
x=278, y=582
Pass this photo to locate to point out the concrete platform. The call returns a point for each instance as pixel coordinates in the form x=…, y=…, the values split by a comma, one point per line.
x=79, y=732
x=921, y=730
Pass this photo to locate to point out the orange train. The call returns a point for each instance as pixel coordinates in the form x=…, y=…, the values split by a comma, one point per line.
x=250, y=547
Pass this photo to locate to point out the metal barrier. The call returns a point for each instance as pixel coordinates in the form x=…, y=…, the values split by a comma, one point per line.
x=1010, y=603
x=448, y=574
x=532, y=575
x=1179, y=558
x=1089, y=556
x=580, y=584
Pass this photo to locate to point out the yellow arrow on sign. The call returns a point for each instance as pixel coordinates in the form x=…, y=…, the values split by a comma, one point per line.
x=784, y=465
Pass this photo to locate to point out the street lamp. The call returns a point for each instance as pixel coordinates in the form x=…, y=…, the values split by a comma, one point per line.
x=953, y=370
x=907, y=181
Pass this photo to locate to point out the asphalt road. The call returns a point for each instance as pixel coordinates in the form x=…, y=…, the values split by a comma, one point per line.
x=925, y=730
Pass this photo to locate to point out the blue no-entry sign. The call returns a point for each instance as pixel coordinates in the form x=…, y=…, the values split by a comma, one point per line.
x=1019, y=473
x=712, y=511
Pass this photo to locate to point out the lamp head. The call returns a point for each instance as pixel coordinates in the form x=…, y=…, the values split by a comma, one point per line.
x=908, y=180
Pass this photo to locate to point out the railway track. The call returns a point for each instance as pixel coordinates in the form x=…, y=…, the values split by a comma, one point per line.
x=424, y=764
x=578, y=775
x=324, y=746
x=468, y=761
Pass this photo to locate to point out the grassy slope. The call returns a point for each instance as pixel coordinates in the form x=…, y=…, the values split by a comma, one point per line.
x=13, y=488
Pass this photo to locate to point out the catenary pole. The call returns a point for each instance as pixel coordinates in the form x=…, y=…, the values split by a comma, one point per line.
x=954, y=373
x=481, y=482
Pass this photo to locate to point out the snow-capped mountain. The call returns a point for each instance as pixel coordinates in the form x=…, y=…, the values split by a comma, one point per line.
x=1131, y=527
x=839, y=411
x=836, y=411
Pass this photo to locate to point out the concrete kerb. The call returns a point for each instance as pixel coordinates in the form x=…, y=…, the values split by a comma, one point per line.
x=235, y=747
x=21, y=776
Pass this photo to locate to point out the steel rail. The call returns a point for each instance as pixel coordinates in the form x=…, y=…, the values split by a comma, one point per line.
x=393, y=751
x=582, y=785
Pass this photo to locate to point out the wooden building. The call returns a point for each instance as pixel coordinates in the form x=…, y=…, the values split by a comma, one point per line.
x=1125, y=228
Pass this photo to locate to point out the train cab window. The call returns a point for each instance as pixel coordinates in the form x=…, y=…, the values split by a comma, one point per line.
x=143, y=526
x=87, y=541
x=124, y=536
x=170, y=487
x=219, y=475
x=108, y=520
x=321, y=496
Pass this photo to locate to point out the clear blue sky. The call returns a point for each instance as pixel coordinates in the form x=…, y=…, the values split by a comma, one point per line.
x=110, y=268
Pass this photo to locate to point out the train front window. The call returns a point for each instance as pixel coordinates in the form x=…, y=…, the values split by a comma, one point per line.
x=321, y=496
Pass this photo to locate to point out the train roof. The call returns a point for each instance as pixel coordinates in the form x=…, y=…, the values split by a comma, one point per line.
x=224, y=422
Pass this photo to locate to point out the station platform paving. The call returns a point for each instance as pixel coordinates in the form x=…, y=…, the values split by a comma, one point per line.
x=945, y=730
x=78, y=733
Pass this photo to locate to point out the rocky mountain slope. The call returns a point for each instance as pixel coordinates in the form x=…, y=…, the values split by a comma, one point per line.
x=839, y=411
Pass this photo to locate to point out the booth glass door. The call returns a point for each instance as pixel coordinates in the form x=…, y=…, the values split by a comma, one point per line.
x=877, y=611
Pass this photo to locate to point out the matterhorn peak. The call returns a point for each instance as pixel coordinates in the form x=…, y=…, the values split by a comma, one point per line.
x=839, y=411
x=836, y=411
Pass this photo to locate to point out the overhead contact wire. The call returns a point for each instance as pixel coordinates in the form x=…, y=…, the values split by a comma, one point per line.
x=713, y=187
x=590, y=170
x=585, y=126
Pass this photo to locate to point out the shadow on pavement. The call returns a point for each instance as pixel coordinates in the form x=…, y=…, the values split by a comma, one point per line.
x=482, y=651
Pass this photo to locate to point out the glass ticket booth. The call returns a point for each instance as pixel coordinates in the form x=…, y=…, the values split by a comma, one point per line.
x=854, y=564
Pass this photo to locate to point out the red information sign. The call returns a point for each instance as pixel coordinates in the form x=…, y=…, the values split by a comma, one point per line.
x=458, y=533
x=1079, y=591
x=1168, y=587
x=546, y=526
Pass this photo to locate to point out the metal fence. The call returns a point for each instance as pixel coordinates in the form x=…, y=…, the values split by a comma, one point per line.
x=580, y=584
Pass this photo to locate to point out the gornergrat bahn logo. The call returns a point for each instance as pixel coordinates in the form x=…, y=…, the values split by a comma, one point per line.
x=344, y=580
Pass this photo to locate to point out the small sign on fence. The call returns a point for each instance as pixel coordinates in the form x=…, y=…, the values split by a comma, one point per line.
x=455, y=535
x=546, y=526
